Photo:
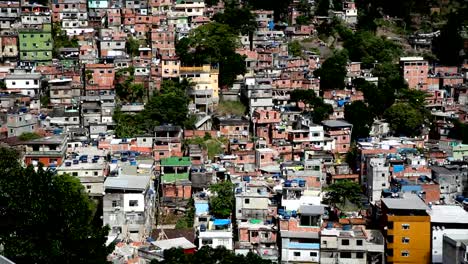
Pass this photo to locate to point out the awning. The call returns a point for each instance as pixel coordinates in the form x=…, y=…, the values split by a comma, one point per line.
x=220, y=222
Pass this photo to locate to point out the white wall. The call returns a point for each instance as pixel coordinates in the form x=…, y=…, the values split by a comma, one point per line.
x=437, y=241
x=134, y=196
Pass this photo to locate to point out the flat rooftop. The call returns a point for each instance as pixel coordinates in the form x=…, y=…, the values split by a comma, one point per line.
x=413, y=203
x=448, y=214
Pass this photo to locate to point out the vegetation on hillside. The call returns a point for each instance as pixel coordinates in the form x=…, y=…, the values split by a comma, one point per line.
x=47, y=218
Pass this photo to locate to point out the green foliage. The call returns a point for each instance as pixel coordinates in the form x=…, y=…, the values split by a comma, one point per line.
x=449, y=44
x=213, y=146
x=208, y=255
x=132, y=47
x=187, y=220
x=128, y=90
x=240, y=19
x=231, y=108
x=341, y=191
x=404, y=119
x=215, y=44
x=322, y=8
x=279, y=7
x=45, y=100
x=352, y=157
x=359, y=114
x=302, y=20
x=2, y=85
x=321, y=110
x=333, y=71
x=368, y=48
x=29, y=136
x=46, y=218
x=295, y=48
x=459, y=131
x=61, y=39
x=167, y=106
x=222, y=203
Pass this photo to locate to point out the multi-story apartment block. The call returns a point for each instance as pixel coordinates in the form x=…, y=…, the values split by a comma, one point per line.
x=35, y=45
x=347, y=245
x=415, y=72
x=378, y=178
x=50, y=151
x=19, y=123
x=407, y=230
x=340, y=131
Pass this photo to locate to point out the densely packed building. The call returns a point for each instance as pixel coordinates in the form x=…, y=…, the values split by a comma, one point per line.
x=62, y=66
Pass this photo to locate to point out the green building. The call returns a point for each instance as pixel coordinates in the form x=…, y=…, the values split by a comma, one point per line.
x=35, y=45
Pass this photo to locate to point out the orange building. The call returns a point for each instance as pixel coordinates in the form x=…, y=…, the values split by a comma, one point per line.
x=407, y=230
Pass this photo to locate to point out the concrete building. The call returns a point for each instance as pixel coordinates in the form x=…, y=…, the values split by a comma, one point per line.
x=50, y=151
x=340, y=131
x=415, y=72
x=452, y=180
x=24, y=82
x=129, y=200
x=407, y=230
x=20, y=123
x=455, y=249
x=446, y=220
x=378, y=178
x=35, y=45
x=346, y=245
x=216, y=233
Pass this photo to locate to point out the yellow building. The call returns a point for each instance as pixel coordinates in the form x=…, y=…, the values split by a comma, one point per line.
x=205, y=92
x=407, y=229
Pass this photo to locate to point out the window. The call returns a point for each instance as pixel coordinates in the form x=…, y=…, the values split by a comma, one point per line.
x=297, y=254
x=133, y=203
x=359, y=242
x=313, y=254
x=405, y=226
x=405, y=240
x=88, y=187
x=389, y=239
x=405, y=253
x=95, y=173
x=75, y=173
x=345, y=242
x=115, y=203
x=359, y=255
x=254, y=234
x=345, y=255
x=247, y=201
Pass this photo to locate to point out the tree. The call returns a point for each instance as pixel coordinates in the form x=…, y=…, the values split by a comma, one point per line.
x=61, y=39
x=169, y=105
x=126, y=88
x=459, y=131
x=340, y=191
x=222, y=203
x=322, y=8
x=209, y=255
x=132, y=46
x=404, y=119
x=449, y=44
x=239, y=19
x=215, y=44
x=321, y=110
x=279, y=7
x=333, y=71
x=359, y=114
x=46, y=218
x=295, y=48
x=29, y=136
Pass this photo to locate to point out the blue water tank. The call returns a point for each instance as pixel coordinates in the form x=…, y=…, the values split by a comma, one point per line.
x=460, y=198
x=302, y=183
x=281, y=211
x=133, y=163
x=293, y=213
x=68, y=163
x=76, y=161
x=124, y=159
x=347, y=227
x=114, y=161
x=329, y=225
x=287, y=183
x=202, y=228
x=246, y=178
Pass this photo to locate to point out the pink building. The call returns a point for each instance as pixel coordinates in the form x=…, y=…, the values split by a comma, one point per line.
x=340, y=131
x=415, y=72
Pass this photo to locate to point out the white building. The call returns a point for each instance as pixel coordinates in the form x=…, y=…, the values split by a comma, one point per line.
x=446, y=220
x=377, y=178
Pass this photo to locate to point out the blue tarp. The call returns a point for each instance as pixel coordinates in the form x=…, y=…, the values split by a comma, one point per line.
x=398, y=168
x=304, y=245
x=341, y=103
x=220, y=222
x=411, y=188
x=201, y=208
